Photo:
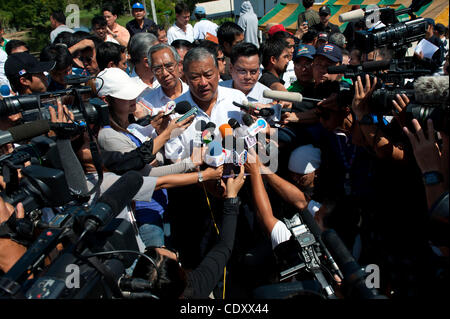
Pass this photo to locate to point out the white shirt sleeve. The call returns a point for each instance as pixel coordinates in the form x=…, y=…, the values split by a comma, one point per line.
x=280, y=233
x=170, y=35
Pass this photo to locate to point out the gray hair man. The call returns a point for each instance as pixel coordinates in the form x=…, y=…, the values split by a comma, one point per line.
x=138, y=48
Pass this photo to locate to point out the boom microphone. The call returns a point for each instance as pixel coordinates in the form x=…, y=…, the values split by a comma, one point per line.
x=354, y=276
x=287, y=96
x=432, y=89
x=114, y=200
x=354, y=15
x=24, y=132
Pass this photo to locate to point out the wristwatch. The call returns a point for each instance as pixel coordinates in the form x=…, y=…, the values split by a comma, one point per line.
x=234, y=200
x=432, y=178
x=200, y=177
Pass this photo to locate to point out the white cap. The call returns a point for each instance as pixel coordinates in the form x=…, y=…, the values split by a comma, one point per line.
x=304, y=159
x=116, y=83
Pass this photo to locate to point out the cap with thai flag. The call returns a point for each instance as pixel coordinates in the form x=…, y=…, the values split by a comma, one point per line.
x=330, y=51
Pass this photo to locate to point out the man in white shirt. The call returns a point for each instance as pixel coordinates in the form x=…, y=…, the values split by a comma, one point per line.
x=57, y=21
x=203, y=25
x=215, y=103
x=181, y=29
x=245, y=71
x=164, y=62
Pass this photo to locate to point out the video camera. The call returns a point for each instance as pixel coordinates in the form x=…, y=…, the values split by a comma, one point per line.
x=97, y=245
x=33, y=106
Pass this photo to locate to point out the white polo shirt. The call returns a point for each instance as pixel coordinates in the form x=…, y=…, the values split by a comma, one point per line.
x=181, y=147
x=154, y=100
x=255, y=94
x=155, y=81
x=204, y=26
x=175, y=33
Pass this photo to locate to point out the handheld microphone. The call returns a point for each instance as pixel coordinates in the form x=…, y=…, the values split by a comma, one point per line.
x=225, y=130
x=185, y=108
x=215, y=156
x=233, y=123
x=257, y=127
x=114, y=200
x=199, y=128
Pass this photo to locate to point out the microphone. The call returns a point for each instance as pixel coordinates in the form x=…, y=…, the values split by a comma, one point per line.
x=184, y=107
x=199, y=128
x=431, y=89
x=215, y=156
x=114, y=200
x=29, y=130
x=287, y=96
x=233, y=123
x=225, y=130
x=24, y=132
x=257, y=127
x=354, y=15
x=208, y=133
x=354, y=276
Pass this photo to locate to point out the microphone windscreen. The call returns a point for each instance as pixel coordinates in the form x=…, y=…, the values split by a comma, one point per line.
x=200, y=125
x=182, y=107
x=225, y=129
x=210, y=125
x=432, y=89
x=354, y=15
x=266, y=112
x=283, y=95
x=247, y=119
x=122, y=192
x=337, y=248
x=233, y=123
x=376, y=65
x=29, y=130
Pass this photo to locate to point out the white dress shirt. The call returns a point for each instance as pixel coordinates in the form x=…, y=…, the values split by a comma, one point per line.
x=181, y=147
x=154, y=100
x=255, y=94
x=202, y=27
x=175, y=33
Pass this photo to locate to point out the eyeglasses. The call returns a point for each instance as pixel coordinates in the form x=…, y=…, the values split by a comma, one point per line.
x=243, y=72
x=221, y=59
x=170, y=67
x=303, y=65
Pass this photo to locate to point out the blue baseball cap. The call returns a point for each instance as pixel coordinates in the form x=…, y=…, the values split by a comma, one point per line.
x=199, y=10
x=138, y=5
x=330, y=51
x=305, y=50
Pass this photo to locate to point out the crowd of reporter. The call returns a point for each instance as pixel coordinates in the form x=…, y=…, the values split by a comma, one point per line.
x=379, y=179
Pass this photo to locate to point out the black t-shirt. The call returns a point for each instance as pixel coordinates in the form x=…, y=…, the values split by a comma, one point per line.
x=268, y=79
x=133, y=27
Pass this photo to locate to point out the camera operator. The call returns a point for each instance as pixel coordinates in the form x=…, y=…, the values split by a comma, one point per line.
x=26, y=74
x=63, y=59
x=170, y=280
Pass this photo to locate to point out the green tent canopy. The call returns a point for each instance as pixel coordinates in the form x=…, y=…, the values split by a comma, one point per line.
x=287, y=13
